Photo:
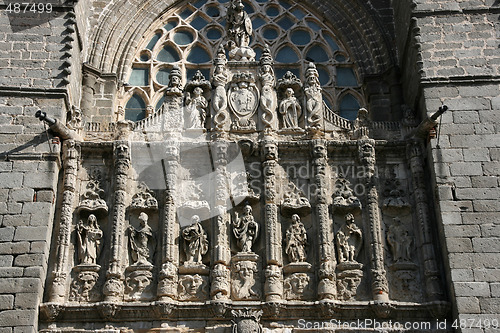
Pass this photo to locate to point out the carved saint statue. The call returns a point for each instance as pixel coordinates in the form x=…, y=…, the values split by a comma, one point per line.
x=245, y=229
x=239, y=31
x=139, y=241
x=175, y=80
x=290, y=109
x=195, y=241
x=243, y=286
x=400, y=241
x=296, y=240
x=89, y=240
x=349, y=240
x=196, y=109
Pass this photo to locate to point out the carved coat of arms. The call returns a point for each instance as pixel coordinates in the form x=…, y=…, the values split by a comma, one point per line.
x=243, y=99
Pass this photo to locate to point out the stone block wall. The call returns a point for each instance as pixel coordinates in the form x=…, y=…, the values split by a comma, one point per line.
x=32, y=77
x=454, y=47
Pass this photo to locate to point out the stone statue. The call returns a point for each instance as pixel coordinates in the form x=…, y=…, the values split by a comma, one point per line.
x=139, y=240
x=296, y=240
x=219, y=97
x=349, y=240
x=89, y=240
x=290, y=109
x=174, y=84
x=195, y=241
x=192, y=287
x=400, y=242
x=268, y=98
x=245, y=229
x=137, y=283
x=243, y=286
x=314, y=99
x=239, y=31
x=196, y=109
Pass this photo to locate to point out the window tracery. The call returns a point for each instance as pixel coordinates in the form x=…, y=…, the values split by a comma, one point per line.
x=188, y=36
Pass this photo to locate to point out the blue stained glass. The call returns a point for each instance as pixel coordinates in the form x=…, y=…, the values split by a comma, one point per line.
x=298, y=13
x=200, y=3
x=287, y=55
x=144, y=57
x=170, y=25
x=135, y=109
x=256, y=23
x=270, y=33
x=183, y=37
x=199, y=23
x=185, y=14
x=223, y=1
x=301, y=37
x=139, y=77
x=346, y=77
x=327, y=102
x=340, y=58
x=223, y=22
x=258, y=53
x=313, y=25
x=214, y=33
x=272, y=11
x=248, y=8
x=285, y=4
x=331, y=42
x=162, y=76
x=349, y=107
x=213, y=11
x=261, y=0
x=160, y=103
x=198, y=55
x=324, y=77
x=168, y=54
x=317, y=54
x=286, y=23
x=153, y=41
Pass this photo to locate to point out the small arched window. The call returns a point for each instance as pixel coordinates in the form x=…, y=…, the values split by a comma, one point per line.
x=135, y=109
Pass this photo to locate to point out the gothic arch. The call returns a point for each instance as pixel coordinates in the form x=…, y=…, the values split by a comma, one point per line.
x=124, y=22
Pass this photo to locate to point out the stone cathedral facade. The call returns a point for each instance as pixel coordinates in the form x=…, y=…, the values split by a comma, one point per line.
x=250, y=166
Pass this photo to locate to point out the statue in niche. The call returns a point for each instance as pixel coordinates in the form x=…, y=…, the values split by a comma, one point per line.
x=290, y=109
x=296, y=240
x=89, y=240
x=400, y=241
x=195, y=241
x=243, y=286
x=196, y=109
x=174, y=84
x=137, y=283
x=139, y=241
x=349, y=240
x=314, y=99
x=239, y=31
x=82, y=287
x=245, y=229
x=192, y=288
x=297, y=286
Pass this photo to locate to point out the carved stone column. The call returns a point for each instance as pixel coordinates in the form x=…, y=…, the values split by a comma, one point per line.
x=274, y=273
x=167, y=284
x=380, y=289
x=433, y=286
x=327, y=289
x=113, y=287
x=59, y=274
x=219, y=290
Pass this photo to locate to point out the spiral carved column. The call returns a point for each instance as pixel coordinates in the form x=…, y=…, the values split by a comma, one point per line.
x=380, y=288
x=327, y=289
x=59, y=274
x=274, y=273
